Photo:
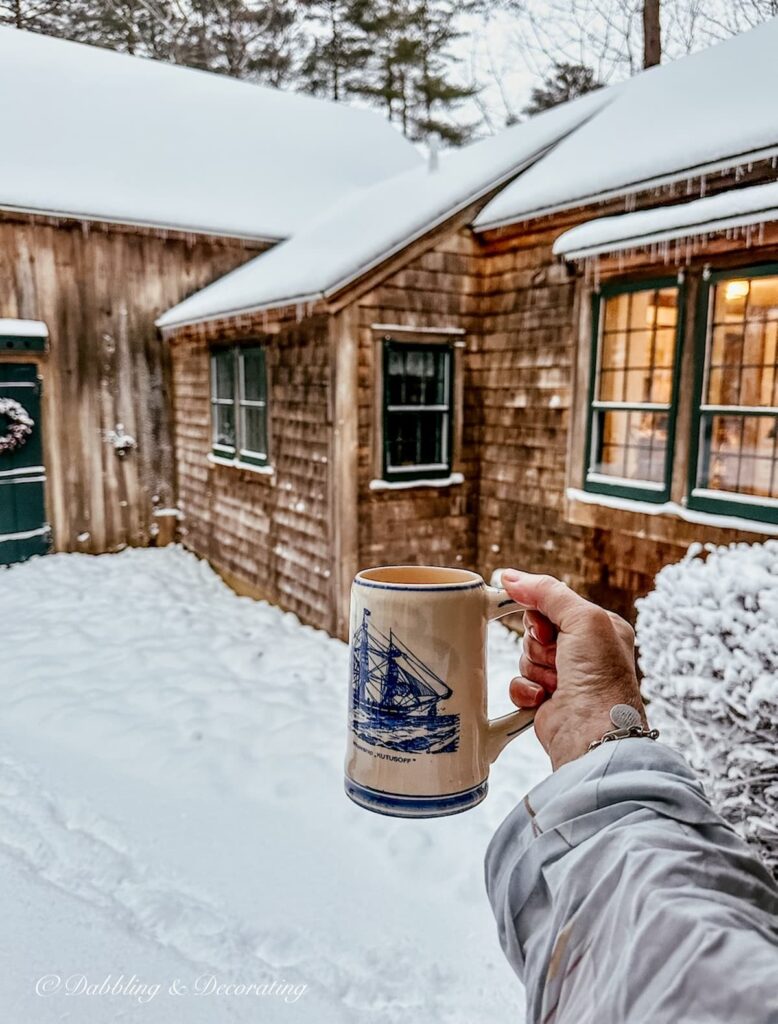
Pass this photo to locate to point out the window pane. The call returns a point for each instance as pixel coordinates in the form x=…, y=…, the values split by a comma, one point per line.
x=432, y=443
x=724, y=385
x=667, y=308
x=642, y=312
x=730, y=301
x=254, y=434
x=224, y=425
x=742, y=349
x=738, y=454
x=632, y=445
x=727, y=347
x=253, y=373
x=640, y=343
x=417, y=376
x=664, y=347
x=611, y=386
x=402, y=439
x=616, y=312
x=638, y=386
x=614, y=350
x=416, y=439
x=223, y=374
x=639, y=337
x=662, y=386
x=763, y=299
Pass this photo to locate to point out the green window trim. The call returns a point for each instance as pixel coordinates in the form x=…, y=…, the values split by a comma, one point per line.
x=596, y=483
x=420, y=471
x=243, y=396
x=709, y=500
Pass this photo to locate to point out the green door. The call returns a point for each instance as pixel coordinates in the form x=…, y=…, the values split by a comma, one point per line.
x=23, y=528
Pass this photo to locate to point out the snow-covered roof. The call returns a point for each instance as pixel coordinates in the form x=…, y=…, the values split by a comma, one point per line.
x=98, y=134
x=366, y=228
x=737, y=208
x=10, y=328
x=714, y=108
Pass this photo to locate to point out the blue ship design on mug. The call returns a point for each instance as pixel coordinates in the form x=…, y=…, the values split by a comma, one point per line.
x=420, y=741
x=397, y=700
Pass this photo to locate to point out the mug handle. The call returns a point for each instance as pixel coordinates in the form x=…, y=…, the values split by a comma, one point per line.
x=502, y=730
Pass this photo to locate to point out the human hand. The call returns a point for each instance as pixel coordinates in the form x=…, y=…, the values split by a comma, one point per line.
x=578, y=661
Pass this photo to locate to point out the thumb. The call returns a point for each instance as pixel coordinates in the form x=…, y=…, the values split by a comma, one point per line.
x=548, y=595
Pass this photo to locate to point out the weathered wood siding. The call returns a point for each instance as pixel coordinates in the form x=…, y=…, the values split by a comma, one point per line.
x=99, y=288
x=437, y=525
x=269, y=535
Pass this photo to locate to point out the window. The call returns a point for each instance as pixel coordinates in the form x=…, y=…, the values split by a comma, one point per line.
x=417, y=410
x=239, y=404
x=735, y=459
x=632, y=404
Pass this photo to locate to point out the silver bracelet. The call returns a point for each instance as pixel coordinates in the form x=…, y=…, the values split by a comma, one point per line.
x=626, y=719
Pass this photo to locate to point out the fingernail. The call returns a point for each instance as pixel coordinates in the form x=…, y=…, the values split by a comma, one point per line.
x=511, y=576
x=536, y=692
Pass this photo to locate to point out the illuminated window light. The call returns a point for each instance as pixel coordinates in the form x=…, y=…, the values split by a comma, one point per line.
x=736, y=290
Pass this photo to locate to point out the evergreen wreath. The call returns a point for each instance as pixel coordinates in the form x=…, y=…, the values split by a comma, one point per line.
x=20, y=425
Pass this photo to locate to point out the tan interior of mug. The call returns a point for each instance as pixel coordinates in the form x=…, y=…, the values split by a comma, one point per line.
x=419, y=575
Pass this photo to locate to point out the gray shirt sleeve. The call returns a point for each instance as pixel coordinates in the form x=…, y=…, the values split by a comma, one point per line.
x=622, y=897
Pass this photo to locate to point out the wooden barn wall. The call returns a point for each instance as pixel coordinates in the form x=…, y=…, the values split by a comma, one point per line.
x=268, y=535
x=99, y=289
x=525, y=372
x=435, y=525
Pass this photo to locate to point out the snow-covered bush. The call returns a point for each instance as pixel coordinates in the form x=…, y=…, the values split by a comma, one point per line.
x=708, y=640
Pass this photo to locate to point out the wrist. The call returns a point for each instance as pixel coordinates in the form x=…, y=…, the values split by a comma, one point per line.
x=572, y=741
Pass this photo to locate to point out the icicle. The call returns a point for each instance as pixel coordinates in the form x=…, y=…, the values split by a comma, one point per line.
x=761, y=233
x=298, y=312
x=703, y=185
x=621, y=260
x=774, y=162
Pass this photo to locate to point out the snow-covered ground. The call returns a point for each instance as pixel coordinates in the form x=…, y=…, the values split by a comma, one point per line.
x=171, y=812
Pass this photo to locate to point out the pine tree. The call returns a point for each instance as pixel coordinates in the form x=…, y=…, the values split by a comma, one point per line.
x=337, y=49
x=435, y=93
x=407, y=72
x=564, y=82
x=253, y=40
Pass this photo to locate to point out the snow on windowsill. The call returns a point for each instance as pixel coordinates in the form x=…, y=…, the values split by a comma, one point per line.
x=672, y=508
x=23, y=328
x=404, y=485
x=237, y=464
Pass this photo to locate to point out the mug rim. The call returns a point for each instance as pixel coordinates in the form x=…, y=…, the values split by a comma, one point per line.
x=465, y=579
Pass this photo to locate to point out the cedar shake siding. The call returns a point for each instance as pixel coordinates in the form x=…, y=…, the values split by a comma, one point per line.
x=267, y=534
x=437, y=290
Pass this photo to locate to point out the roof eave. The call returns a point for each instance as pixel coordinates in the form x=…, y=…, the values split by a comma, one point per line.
x=670, y=234
x=96, y=218
x=684, y=174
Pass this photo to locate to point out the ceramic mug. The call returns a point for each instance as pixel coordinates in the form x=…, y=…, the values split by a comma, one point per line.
x=419, y=739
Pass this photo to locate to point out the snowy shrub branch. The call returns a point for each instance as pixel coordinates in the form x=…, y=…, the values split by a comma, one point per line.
x=708, y=639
